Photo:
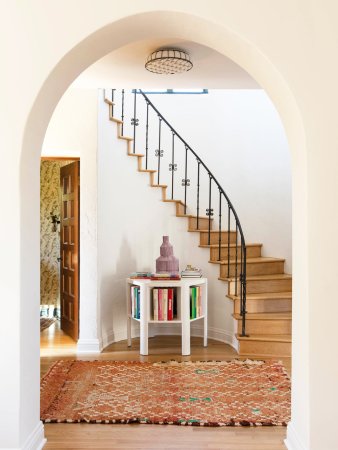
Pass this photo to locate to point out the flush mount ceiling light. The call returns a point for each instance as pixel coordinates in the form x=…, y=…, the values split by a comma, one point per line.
x=168, y=61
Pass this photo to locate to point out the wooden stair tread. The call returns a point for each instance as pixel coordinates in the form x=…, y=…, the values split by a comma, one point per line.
x=265, y=337
x=173, y=201
x=263, y=296
x=201, y=231
x=147, y=170
x=265, y=316
x=127, y=138
x=258, y=356
x=139, y=155
x=190, y=216
x=215, y=231
x=109, y=102
x=277, y=276
x=258, y=260
x=159, y=185
x=114, y=119
x=231, y=245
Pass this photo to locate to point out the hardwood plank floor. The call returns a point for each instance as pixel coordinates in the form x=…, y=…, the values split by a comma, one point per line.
x=56, y=345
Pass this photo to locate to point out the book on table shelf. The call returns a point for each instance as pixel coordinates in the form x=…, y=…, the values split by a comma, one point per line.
x=141, y=275
x=164, y=304
x=165, y=276
x=196, y=302
x=155, y=276
x=135, y=301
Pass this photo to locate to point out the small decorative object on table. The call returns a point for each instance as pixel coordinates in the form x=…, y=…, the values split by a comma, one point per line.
x=191, y=272
x=167, y=262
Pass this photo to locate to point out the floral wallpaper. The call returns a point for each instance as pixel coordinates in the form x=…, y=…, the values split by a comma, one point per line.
x=49, y=239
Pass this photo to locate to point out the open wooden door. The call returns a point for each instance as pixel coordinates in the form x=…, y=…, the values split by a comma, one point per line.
x=70, y=251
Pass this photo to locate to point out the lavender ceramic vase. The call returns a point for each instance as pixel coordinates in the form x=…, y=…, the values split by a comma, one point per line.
x=167, y=262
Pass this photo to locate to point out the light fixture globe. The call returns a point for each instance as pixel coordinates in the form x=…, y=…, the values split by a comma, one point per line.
x=168, y=61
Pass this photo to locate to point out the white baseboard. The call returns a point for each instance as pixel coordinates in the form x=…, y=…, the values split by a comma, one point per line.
x=293, y=441
x=173, y=330
x=89, y=346
x=36, y=440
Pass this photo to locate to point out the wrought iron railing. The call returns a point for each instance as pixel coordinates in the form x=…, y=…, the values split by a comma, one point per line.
x=230, y=243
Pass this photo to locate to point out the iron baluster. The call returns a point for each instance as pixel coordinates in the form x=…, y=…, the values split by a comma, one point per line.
x=210, y=211
x=198, y=194
x=134, y=122
x=241, y=274
x=172, y=166
x=159, y=151
x=236, y=262
x=122, y=113
x=244, y=292
x=186, y=181
x=228, y=240
x=147, y=136
x=220, y=226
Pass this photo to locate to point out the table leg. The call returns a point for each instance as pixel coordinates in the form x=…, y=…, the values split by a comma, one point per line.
x=128, y=315
x=185, y=311
x=205, y=320
x=144, y=302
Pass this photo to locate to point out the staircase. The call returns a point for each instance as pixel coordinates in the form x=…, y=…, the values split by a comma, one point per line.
x=258, y=286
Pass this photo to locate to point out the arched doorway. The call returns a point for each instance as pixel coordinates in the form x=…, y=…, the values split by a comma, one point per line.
x=68, y=68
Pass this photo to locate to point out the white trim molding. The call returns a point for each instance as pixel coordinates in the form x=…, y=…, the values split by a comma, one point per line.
x=36, y=440
x=89, y=346
x=293, y=441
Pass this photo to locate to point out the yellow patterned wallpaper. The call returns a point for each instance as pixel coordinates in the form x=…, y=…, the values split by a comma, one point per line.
x=49, y=239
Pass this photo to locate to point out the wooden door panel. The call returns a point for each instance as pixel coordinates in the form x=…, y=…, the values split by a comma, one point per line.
x=70, y=251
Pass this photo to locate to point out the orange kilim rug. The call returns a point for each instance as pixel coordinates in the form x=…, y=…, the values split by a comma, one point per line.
x=213, y=393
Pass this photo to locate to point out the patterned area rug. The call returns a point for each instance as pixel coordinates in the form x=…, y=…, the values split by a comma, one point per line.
x=209, y=393
x=46, y=322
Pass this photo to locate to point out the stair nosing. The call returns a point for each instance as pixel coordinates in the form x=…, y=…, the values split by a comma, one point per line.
x=287, y=338
x=265, y=316
x=264, y=296
x=263, y=259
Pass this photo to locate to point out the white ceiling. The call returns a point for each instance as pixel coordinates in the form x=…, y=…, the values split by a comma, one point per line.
x=124, y=68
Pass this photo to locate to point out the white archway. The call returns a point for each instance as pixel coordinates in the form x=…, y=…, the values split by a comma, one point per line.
x=79, y=57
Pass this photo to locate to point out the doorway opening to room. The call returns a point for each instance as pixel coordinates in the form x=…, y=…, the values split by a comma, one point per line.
x=59, y=251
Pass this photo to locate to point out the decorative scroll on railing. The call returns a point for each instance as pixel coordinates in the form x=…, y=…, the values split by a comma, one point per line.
x=188, y=173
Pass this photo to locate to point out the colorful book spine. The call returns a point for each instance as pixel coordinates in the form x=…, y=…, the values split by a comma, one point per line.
x=138, y=306
x=165, y=304
x=155, y=303
x=160, y=304
x=193, y=300
x=170, y=304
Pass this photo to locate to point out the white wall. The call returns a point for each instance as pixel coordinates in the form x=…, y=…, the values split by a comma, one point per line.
x=239, y=136
x=72, y=131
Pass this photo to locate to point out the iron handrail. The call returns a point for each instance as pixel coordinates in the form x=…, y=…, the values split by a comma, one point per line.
x=243, y=259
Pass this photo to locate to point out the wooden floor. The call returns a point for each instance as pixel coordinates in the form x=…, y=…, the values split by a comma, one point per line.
x=56, y=345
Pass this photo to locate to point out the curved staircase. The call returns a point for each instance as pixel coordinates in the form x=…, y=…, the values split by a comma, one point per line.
x=267, y=288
